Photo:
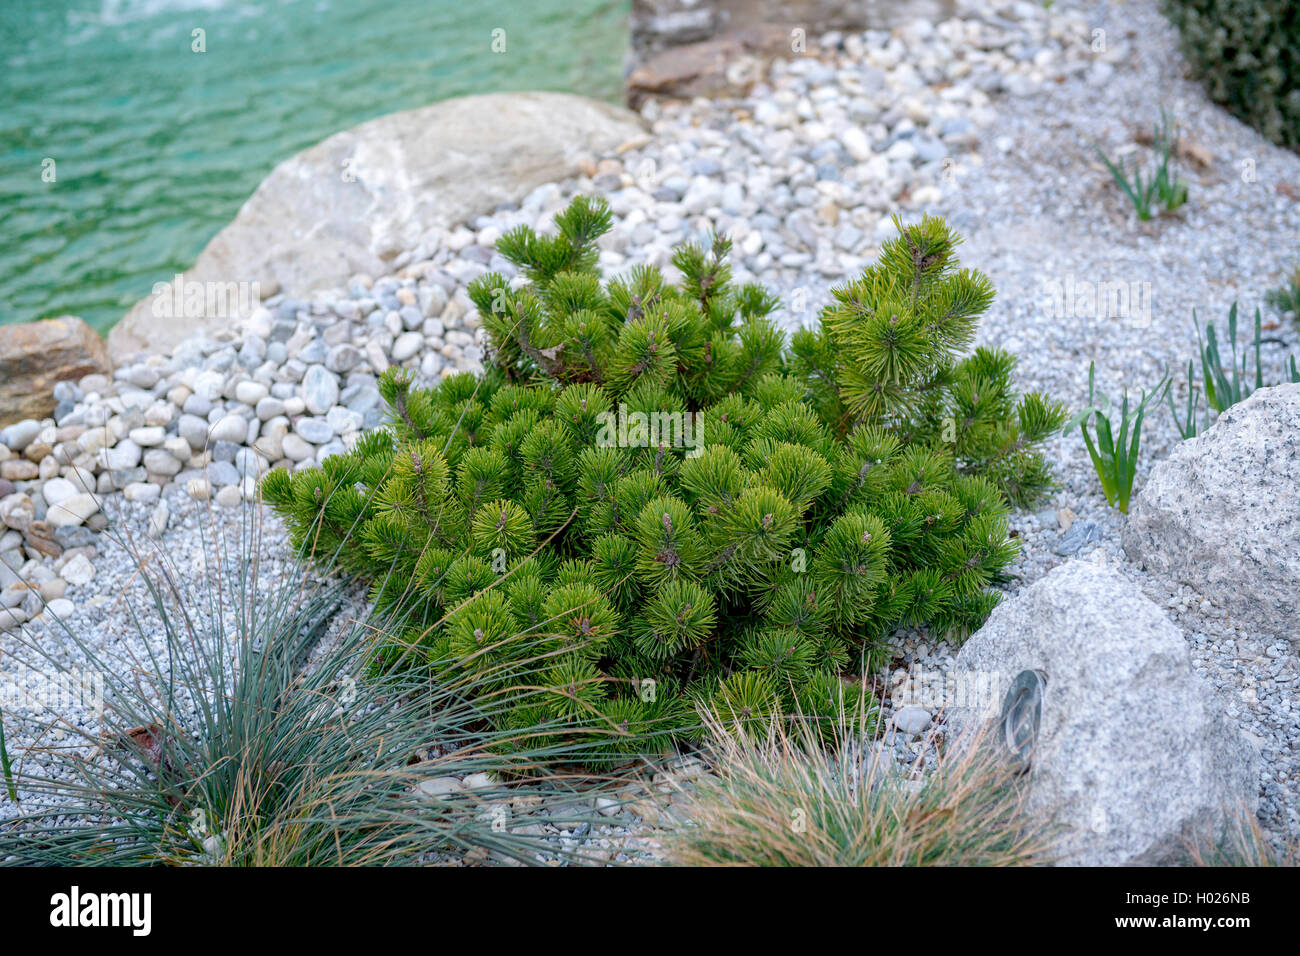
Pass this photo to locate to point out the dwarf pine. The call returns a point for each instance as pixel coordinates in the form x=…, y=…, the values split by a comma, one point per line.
x=834, y=489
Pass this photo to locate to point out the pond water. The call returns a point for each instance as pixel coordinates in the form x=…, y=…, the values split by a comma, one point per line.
x=124, y=147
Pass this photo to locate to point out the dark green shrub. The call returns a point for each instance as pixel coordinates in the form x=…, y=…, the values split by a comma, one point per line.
x=1247, y=52
x=675, y=507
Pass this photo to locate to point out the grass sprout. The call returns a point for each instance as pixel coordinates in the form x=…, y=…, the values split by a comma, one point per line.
x=1158, y=187
x=1114, y=456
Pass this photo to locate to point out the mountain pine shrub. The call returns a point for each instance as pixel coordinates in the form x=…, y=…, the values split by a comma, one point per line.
x=669, y=505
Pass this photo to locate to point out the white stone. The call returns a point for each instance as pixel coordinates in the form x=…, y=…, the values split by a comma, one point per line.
x=250, y=393
x=439, y=788
x=58, y=489
x=407, y=345
x=59, y=609
x=73, y=510
x=125, y=454
x=143, y=492
x=320, y=389
x=231, y=428
x=912, y=719
x=856, y=144
x=229, y=496
x=159, y=462
x=148, y=436
x=78, y=571
x=158, y=520
x=268, y=408
x=296, y=449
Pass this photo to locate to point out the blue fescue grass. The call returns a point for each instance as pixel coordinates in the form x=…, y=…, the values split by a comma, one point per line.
x=255, y=732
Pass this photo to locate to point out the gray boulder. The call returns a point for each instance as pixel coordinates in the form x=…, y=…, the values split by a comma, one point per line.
x=1222, y=513
x=1135, y=756
x=351, y=203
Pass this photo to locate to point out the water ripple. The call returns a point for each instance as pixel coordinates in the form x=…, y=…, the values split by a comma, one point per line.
x=156, y=147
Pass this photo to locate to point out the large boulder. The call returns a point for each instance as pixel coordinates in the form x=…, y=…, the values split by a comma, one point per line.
x=1222, y=513
x=36, y=355
x=354, y=201
x=1135, y=757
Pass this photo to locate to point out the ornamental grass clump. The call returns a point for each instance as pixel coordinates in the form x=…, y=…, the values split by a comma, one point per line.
x=671, y=505
x=779, y=796
x=245, y=733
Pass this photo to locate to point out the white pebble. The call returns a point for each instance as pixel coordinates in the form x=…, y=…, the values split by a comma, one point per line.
x=229, y=496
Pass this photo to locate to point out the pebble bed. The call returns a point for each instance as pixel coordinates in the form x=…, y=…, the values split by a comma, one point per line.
x=991, y=120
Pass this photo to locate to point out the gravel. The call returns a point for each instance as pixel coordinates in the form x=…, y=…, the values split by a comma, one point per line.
x=992, y=121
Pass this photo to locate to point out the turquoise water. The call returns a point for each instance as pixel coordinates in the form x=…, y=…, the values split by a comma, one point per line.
x=155, y=146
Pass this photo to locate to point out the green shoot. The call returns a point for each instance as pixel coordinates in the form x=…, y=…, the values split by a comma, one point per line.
x=1139, y=193
x=5, y=764
x=1162, y=186
x=1286, y=297
x=1222, y=391
x=1170, y=189
x=1187, y=426
x=1114, y=457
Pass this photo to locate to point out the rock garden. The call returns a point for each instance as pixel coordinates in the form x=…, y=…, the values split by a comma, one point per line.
x=903, y=417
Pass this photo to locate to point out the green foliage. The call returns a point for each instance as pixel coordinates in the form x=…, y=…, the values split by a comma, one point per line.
x=1114, y=457
x=1222, y=392
x=887, y=356
x=6, y=765
x=1186, y=425
x=673, y=507
x=1223, y=387
x=1162, y=186
x=1286, y=297
x=1247, y=53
